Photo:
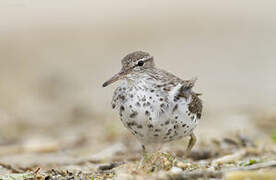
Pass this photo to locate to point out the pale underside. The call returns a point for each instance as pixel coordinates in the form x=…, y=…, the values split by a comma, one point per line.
x=153, y=111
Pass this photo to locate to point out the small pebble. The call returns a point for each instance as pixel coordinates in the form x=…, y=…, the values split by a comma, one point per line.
x=176, y=170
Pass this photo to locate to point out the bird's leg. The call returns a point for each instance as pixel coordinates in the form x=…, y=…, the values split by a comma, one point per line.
x=144, y=156
x=144, y=152
x=191, y=144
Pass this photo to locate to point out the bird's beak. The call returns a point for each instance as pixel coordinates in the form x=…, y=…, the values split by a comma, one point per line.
x=115, y=78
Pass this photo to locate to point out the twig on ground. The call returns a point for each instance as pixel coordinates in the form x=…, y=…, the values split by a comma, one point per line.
x=219, y=174
x=9, y=167
x=110, y=166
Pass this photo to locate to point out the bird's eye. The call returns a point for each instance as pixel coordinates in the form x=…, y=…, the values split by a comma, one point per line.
x=140, y=63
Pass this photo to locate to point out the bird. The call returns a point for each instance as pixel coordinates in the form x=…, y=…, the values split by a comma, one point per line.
x=156, y=106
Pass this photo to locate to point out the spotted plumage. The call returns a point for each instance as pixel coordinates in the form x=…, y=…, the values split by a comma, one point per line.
x=154, y=105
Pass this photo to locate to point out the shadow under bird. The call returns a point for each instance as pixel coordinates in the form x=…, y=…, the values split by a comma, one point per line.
x=153, y=104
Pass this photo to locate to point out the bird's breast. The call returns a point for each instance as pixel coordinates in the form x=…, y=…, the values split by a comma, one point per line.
x=150, y=113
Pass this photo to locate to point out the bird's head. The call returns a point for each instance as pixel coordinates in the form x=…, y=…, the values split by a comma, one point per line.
x=134, y=63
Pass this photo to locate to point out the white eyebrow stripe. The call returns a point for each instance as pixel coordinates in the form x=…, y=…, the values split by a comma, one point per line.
x=146, y=58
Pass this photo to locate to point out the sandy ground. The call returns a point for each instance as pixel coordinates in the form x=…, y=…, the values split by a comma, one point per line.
x=56, y=120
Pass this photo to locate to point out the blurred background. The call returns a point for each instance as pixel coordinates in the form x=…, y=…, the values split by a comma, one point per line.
x=55, y=55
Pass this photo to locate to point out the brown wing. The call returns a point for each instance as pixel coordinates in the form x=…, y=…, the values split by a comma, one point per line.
x=188, y=84
x=195, y=105
x=169, y=78
x=185, y=91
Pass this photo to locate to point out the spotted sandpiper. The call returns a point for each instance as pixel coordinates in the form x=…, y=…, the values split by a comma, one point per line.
x=153, y=104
